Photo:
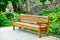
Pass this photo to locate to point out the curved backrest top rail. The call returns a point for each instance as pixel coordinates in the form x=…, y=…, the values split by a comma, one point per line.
x=34, y=18
x=27, y=15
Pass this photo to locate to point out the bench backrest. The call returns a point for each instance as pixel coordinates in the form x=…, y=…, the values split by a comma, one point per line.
x=34, y=18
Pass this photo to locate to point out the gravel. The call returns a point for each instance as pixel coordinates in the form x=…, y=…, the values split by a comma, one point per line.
x=7, y=33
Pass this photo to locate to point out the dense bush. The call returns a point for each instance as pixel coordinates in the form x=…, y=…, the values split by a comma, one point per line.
x=55, y=23
x=9, y=15
x=43, y=12
x=16, y=15
x=3, y=19
x=43, y=1
x=44, y=7
x=57, y=8
x=54, y=15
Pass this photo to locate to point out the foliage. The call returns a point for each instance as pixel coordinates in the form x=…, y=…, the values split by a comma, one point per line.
x=43, y=12
x=9, y=15
x=23, y=1
x=44, y=7
x=54, y=23
x=57, y=8
x=43, y=1
x=54, y=15
x=3, y=19
x=16, y=1
x=50, y=1
x=16, y=15
x=3, y=4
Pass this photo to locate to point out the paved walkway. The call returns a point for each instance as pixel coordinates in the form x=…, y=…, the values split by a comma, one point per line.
x=9, y=34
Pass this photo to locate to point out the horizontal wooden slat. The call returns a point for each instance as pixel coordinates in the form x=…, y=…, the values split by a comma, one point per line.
x=34, y=18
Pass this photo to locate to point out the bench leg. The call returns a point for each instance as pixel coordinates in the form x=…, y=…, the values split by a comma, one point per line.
x=13, y=27
x=47, y=32
x=39, y=33
x=19, y=27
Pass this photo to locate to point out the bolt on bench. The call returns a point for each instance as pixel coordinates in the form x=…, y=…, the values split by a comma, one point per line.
x=40, y=23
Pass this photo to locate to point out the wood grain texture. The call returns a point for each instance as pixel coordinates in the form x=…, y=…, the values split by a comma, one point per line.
x=30, y=21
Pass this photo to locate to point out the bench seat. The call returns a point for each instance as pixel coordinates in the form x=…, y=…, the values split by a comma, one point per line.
x=27, y=24
x=39, y=23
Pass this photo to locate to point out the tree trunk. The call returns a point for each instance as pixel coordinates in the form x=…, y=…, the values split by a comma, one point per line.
x=43, y=4
x=15, y=7
x=20, y=7
x=10, y=7
x=27, y=6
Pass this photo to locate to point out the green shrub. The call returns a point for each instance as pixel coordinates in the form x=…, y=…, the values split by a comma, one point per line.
x=16, y=15
x=44, y=7
x=55, y=23
x=43, y=1
x=54, y=15
x=43, y=12
x=3, y=20
x=49, y=10
x=9, y=15
x=57, y=8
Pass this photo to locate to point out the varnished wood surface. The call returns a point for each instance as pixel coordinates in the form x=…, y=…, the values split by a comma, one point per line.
x=33, y=19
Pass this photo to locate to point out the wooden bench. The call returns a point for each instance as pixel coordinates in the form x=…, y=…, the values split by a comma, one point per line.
x=40, y=23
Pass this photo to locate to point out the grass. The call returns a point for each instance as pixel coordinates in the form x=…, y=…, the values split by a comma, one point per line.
x=4, y=26
x=54, y=35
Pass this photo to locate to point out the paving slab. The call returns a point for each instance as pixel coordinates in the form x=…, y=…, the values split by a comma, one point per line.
x=8, y=34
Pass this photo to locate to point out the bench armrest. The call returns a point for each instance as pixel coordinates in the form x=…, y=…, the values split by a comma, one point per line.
x=15, y=19
x=39, y=23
